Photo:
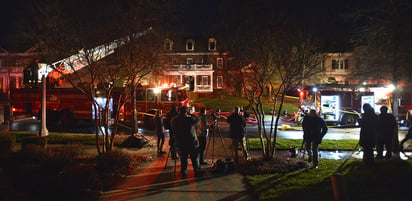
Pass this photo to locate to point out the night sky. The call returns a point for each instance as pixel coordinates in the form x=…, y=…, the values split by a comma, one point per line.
x=324, y=16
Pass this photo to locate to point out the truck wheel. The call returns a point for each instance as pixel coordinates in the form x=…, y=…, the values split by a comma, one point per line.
x=51, y=117
x=66, y=117
x=349, y=119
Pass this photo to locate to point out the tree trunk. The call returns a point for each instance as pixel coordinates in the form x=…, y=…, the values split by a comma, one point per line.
x=134, y=111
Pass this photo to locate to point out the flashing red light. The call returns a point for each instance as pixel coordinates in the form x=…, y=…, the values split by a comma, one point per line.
x=301, y=93
x=13, y=109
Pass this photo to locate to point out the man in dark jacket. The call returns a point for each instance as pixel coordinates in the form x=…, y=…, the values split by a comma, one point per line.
x=367, y=137
x=184, y=127
x=237, y=133
x=314, y=128
x=387, y=128
x=170, y=115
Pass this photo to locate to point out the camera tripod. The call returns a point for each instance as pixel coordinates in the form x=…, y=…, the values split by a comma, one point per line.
x=172, y=148
x=215, y=127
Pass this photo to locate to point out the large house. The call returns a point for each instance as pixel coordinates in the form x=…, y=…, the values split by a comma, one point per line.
x=198, y=62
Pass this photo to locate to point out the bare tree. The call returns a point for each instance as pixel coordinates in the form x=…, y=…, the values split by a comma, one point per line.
x=274, y=54
x=384, y=43
x=105, y=64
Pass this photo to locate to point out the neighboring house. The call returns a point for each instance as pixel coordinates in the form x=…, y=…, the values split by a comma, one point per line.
x=336, y=69
x=12, y=64
x=198, y=62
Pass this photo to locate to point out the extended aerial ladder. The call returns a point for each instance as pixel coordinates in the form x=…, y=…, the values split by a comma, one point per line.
x=78, y=61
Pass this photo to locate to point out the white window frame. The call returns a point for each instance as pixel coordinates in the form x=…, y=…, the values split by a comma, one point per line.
x=219, y=82
x=205, y=80
x=189, y=61
x=168, y=45
x=212, y=40
x=193, y=45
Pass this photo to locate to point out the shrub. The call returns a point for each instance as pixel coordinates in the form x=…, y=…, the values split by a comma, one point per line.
x=36, y=140
x=114, y=162
x=62, y=156
x=32, y=153
x=7, y=143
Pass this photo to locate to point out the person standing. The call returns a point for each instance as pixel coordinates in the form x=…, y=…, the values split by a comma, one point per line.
x=237, y=133
x=169, y=116
x=387, y=129
x=203, y=132
x=367, y=137
x=407, y=137
x=314, y=129
x=184, y=127
x=160, y=131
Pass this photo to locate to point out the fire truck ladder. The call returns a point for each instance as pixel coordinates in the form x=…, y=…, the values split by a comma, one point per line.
x=78, y=61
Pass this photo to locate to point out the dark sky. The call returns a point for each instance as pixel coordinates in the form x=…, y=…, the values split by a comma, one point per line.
x=321, y=15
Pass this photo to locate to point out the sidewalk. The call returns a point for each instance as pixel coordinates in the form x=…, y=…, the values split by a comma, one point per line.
x=160, y=181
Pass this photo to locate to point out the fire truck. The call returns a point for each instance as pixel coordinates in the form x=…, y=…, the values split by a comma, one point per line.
x=68, y=104
x=64, y=105
x=338, y=104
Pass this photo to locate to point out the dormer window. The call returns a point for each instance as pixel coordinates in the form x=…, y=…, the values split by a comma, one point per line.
x=168, y=45
x=190, y=45
x=212, y=44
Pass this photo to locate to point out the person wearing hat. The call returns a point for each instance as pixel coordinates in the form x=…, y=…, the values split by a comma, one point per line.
x=184, y=127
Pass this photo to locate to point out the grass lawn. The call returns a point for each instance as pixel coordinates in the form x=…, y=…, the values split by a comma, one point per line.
x=226, y=104
x=386, y=180
x=284, y=144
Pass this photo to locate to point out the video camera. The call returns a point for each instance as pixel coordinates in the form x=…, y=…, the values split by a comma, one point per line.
x=216, y=114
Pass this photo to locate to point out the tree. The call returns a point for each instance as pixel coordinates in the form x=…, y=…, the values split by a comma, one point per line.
x=75, y=32
x=274, y=54
x=384, y=43
x=384, y=40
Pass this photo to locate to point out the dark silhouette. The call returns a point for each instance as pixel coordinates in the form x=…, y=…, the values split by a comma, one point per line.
x=160, y=131
x=367, y=137
x=314, y=129
x=203, y=132
x=237, y=133
x=407, y=137
x=184, y=127
x=386, y=132
x=169, y=116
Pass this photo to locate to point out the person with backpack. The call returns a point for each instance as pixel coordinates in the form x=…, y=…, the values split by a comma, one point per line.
x=314, y=129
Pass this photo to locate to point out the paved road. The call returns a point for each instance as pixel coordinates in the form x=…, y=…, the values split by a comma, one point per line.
x=84, y=127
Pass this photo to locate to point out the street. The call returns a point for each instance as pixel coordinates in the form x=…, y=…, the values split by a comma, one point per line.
x=290, y=132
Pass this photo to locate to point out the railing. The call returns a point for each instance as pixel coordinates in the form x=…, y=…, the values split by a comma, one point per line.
x=203, y=88
x=192, y=67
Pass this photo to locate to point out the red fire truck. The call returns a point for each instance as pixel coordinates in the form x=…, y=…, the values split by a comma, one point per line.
x=68, y=104
x=337, y=104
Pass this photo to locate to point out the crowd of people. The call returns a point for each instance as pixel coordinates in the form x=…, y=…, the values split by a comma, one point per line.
x=380, y=132
x=189, y=134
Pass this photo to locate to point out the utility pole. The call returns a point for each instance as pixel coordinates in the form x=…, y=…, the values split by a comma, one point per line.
x=43, y=128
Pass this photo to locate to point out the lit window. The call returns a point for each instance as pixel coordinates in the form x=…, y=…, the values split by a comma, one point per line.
x=212, y=44
x=190, y=45
x=219, y=62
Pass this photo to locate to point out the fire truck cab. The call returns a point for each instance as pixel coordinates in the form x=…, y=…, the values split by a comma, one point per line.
x=337, y=105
